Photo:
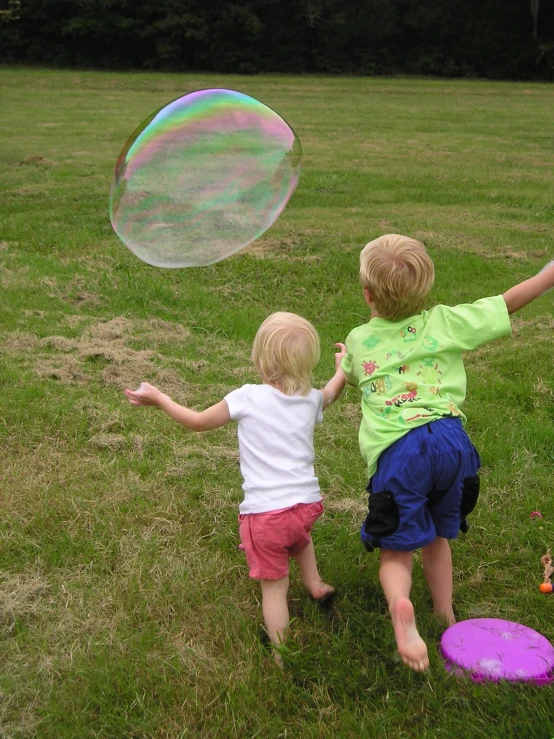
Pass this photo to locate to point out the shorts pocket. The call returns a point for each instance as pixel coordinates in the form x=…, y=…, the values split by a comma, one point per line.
x=470, y=494
x=383, y=518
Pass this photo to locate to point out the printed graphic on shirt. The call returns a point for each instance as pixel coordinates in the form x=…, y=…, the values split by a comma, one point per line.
x=399, y=355
x=379, y=386
x=430, y=372
x=431, y=343
x=370, y=342
x=402, y=370
x=386, y=413
x=369, y=367
x=403, y=417
x=454, y=410
x=408, y=333
x=419, y=415
x=407, y=397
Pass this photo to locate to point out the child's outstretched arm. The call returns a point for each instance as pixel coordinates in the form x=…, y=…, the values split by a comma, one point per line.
x=332, y=391
x=520, y=295
x=212, y=418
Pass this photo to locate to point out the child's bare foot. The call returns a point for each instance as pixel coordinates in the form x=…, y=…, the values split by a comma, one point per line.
x=265, y=640
x=448, y=619
x=278, y=659
x=411, y=646
x=322, y=593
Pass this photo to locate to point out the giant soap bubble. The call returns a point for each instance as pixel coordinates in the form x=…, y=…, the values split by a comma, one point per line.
x=203, y=177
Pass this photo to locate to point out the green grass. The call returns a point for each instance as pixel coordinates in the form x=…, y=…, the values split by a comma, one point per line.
x=125, y=606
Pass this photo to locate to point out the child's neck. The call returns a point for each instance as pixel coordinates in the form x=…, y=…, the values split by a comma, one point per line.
x=272, y=384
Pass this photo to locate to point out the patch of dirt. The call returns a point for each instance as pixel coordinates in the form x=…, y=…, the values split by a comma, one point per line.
x=83, y=297
x=542, y=389
x=463, y=242
x=508, y=253
x=277, y=250
x=18, y=342
x=64, y=369
x=346, y=505
x=61, y=343
x=115, y=442
x=422, y=235
x=134, y=371
x=75, y=320
x=33, y=159
x=520, y=325
x=350, y=411
x=245, y=374
x=103, y=345
x=15, y=278
x=120, y=329
x=20, y=595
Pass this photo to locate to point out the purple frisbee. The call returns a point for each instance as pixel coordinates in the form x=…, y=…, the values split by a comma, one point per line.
x=493, y=649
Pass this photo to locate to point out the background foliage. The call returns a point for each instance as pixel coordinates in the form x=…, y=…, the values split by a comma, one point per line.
x=510, y=39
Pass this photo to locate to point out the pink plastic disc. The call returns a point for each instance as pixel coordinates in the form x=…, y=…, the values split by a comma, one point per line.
x=492, y=649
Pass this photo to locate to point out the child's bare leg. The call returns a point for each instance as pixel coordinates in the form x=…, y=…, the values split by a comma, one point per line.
x=395, y=574
x=437, y=566
x=311, y=578
x=276, y=612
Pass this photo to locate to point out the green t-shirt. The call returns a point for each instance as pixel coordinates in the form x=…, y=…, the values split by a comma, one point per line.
x=411, y=372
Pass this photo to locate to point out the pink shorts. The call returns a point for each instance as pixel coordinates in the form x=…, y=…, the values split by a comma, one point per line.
x=269, y=539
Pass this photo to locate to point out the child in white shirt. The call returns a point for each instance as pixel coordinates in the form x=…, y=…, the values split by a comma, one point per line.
x=282, y=498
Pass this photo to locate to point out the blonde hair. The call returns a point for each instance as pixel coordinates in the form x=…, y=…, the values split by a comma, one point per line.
x=285, y=352
x=398, y=273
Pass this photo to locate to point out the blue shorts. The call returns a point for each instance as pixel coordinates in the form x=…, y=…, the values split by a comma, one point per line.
x=425, y=485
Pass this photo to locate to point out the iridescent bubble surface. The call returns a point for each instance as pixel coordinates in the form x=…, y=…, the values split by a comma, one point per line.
x=203, y=177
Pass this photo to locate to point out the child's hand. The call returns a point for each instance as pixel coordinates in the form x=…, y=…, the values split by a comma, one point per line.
x=339, y=355
x=145, y=395
x=336, y=384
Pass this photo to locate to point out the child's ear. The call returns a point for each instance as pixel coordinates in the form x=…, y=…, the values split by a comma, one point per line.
x=367, y=297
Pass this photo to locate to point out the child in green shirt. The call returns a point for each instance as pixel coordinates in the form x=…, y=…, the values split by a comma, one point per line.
x=422, y=467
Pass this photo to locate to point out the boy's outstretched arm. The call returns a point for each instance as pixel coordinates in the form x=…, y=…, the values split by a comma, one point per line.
x=332, y=391
x=212, y=418
x=520, y=295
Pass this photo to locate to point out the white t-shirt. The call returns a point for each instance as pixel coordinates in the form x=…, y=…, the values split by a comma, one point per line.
x=276, y=446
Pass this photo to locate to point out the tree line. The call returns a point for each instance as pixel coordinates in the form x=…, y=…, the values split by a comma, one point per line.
x=501, y=39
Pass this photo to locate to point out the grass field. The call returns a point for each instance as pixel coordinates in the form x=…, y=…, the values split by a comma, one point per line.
x=125, y=606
